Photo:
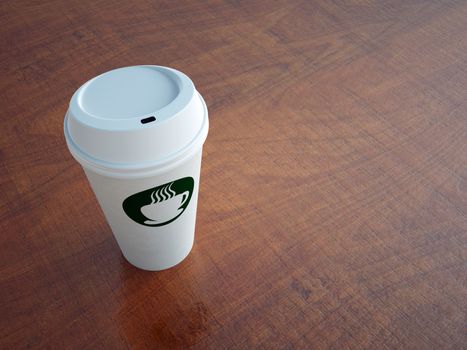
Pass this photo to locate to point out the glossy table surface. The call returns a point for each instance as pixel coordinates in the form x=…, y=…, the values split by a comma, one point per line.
x=333, y=202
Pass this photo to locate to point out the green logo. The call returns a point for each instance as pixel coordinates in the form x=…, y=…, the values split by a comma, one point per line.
x=159, y=206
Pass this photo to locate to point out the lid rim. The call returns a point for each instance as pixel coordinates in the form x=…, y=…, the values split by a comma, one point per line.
x=133, y=169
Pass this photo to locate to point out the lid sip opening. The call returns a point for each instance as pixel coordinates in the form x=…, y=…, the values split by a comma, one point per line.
x=148, y=120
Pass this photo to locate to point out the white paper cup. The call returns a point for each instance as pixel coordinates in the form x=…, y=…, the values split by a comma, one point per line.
x=138, y=132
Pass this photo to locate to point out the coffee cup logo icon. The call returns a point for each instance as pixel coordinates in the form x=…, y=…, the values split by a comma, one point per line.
x=160, y=205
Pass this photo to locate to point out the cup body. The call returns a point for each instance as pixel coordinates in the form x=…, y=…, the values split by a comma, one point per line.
x=152, y=218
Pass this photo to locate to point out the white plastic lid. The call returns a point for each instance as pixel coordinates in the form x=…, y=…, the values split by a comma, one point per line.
x=134, y=118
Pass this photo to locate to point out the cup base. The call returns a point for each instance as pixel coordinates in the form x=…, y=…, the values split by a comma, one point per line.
x=158, y=267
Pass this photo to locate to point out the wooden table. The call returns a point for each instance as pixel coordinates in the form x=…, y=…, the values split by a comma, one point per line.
x=333, y=203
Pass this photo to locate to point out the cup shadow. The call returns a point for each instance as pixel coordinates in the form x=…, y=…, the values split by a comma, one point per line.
x=159, y=309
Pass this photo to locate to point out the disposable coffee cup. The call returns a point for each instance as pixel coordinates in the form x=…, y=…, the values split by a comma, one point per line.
x=138, y=133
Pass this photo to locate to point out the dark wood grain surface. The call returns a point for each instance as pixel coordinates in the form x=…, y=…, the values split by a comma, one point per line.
x=333, y=203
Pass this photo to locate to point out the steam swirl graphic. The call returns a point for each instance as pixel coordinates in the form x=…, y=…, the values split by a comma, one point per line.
x=163, y=193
